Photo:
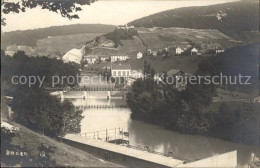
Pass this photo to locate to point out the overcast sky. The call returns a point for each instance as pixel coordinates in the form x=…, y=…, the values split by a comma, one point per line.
x=105, y=12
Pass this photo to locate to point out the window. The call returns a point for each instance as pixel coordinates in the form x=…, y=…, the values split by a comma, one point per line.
x=123, y=73
x=114, y=73
x=119, y=73
x=127, y=73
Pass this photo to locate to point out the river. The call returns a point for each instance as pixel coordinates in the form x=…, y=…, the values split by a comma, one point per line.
x=185, y=146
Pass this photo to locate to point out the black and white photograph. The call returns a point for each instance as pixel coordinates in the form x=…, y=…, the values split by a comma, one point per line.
x=130, y=83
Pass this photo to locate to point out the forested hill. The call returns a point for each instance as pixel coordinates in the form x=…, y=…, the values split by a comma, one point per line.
x=30, y=37
x=239, y=20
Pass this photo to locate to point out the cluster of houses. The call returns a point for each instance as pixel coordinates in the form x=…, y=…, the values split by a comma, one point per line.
x=12, y=49
x=91, y=59
x=131, y=75
x=178, y=51
x=123, y=70
x=125, y=27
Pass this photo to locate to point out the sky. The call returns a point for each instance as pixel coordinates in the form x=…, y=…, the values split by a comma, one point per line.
x=103, y=12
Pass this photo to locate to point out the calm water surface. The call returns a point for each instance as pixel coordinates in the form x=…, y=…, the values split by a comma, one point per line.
x=141, y=134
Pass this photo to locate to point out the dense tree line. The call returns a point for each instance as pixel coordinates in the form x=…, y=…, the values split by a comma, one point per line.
x=164, y=105
x=37, y=110
x=22, y=65
x=33, y=106
x=121, y=34
x=190, y=110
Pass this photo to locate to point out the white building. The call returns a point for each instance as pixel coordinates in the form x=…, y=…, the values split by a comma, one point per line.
x=118, y=70
x=139, y=55
x=103, y=57
x=10, y=53
x=122, y=27
x=193, y=51
x=107, y=44
x=91, y=59
x=257, y=99
x=136, y=74
x=152, y=53
x=115, y=58
x=219, y=51
x=125, y=27
x=179, y=51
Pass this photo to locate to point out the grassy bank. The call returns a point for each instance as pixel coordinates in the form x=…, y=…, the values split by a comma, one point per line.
x=61, y=154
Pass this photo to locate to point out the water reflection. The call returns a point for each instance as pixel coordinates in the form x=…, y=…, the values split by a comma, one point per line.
x=185, y=146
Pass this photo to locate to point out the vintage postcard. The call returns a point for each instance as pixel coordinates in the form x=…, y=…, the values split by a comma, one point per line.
x=130, y=83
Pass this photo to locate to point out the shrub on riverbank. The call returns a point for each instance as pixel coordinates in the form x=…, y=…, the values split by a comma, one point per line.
x=188, y=110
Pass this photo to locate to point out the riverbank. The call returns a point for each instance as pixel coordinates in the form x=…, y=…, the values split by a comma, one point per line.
x=229, y=121
x=59, y=153
x=32, y=144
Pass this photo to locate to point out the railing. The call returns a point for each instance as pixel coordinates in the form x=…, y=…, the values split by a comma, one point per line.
x=104, y=106
x=88, y=89
x=117, y=135
x=107, y=134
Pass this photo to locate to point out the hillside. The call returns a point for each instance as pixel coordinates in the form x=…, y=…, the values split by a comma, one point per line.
x=30, y=37
x=26, y=140
x=118, y=42
x=202, y=39
x=62, y=44
x=59, y=155
x=239, y=20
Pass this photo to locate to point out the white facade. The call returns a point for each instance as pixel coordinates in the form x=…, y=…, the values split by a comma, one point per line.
x=90, y=59
x=125, y=27
x=194, y=51
x=115, y=58
x=120, y=70
x=179, y=50
x=151, y=52
x=139, y=55
x=135, y=74
x=103, y=58
x=107, y=44
x=219, y=50
x=10, y=53
x=257, y=99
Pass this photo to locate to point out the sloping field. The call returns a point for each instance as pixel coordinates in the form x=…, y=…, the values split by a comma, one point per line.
x=64, y=43
x=205, y=39
x=130, y=47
